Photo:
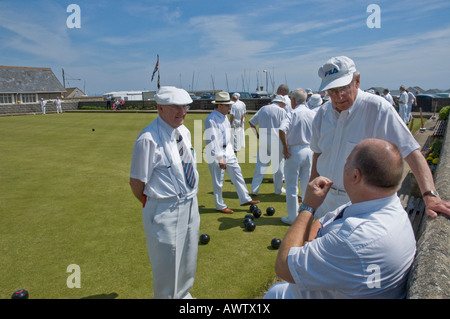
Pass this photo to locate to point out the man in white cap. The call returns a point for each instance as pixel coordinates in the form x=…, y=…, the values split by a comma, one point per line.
x=351, y=116
x=283, y=91
x=315, y=101
x=220, y=154
x=269, y=119
x=237, y=120
x=164, y=178
x=295, y=136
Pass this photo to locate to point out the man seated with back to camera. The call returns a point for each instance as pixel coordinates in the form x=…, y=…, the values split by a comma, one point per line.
x=363, y=249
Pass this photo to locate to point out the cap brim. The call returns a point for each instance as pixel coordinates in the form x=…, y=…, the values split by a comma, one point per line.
x=222, y=102
x=342, y=81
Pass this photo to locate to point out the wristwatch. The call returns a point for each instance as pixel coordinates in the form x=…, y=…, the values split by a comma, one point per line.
x=307, y=208
x=432, y=193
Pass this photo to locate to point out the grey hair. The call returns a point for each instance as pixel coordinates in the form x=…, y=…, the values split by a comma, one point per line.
x=299, y=95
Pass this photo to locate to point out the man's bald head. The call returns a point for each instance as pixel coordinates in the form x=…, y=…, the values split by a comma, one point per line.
x=380, y=163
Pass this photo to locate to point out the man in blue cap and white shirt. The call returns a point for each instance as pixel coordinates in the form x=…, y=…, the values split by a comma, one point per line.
x=164, y=179
x=350, y=116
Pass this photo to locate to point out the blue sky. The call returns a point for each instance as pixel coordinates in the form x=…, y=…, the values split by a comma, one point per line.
x=229, y=43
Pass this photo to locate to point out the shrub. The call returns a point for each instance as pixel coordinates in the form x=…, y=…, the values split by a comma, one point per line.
x=443, y=113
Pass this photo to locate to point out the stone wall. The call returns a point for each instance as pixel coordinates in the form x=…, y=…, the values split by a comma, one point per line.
x=430, y=274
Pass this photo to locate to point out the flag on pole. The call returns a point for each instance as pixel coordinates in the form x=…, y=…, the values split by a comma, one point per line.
x=156, y=68
x=159, y=81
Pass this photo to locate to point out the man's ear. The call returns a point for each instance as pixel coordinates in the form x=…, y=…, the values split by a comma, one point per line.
x=356, y=176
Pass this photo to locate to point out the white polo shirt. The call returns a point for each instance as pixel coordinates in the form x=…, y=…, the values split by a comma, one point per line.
x=268, y=119
x=238, y=109
x=156, y=161
x=365, y=254
x=336, y=134
x=298, y=125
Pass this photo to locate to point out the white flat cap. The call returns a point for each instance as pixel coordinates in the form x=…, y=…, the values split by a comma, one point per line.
x=170, y=95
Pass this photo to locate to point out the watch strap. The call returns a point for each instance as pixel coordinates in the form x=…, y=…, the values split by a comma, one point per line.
x=307, y=208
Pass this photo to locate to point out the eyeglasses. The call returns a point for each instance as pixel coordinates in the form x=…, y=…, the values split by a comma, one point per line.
x=339, y=90
x=179, y=107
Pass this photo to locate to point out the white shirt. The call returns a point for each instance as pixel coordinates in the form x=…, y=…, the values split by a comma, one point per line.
x=238, y=109
x=217, y=136
x=410, y=98
x=298, y=126
x=365, y=254
x=268, y=119
x=156, y=161
x=403, y=99
x=389, y=98
x=336, y=134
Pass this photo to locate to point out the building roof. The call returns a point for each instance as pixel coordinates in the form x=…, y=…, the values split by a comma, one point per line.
x=15, y=79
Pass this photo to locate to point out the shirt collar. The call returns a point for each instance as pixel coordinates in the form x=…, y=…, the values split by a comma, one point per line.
x=368, y=206
x=217, y=113
x=171, y=132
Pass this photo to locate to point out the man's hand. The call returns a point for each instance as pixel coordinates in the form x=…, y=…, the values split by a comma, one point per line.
x=435, y=205
x=316, y=191
x=222, y=163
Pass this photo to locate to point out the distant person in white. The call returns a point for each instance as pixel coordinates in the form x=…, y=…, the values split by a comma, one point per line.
x=411, y=102
x=295, y=136
x=387, y=95
x=351, y=116
x=43, y=106
x=58, y=105
x=403, y=104
x=315, y=101
x=363, y=249
x=270, y=151
x=283, y=90
x=237, y=120
x=170, y=209
x=220, y=154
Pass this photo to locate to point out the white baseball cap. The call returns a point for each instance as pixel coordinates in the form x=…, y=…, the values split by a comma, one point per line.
x=336, y=72
x=315, y=100
x=170, y=95
x=279, y=98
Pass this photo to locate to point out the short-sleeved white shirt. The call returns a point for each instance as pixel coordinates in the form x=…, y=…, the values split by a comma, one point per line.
x=298, y=125
x=238, y=109
x=269, y=118
x=156, y=161
x=403, y=99
x=336, y=134
x=365, y=254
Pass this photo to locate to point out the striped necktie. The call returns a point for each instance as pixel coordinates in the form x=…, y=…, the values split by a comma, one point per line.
x=186, y=161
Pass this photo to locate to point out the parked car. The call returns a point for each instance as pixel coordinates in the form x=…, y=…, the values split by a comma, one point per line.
x=244, y=95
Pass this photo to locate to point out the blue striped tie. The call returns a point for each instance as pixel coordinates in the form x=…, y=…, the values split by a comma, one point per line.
x=186, y=161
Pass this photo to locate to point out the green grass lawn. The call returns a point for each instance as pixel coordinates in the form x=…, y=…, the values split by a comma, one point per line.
x=65, y=199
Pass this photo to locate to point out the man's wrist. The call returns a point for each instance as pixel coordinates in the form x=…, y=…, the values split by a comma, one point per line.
x=305, y=207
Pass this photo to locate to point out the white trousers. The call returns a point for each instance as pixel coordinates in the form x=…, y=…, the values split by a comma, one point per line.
x=272, y=153
x=297, y=166
x=172, y=230
x=279, y=291
x=238, y=138
x=403, y=112
x=234, y=172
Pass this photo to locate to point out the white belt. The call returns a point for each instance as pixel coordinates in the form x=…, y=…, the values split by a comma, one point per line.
x=338, y=191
